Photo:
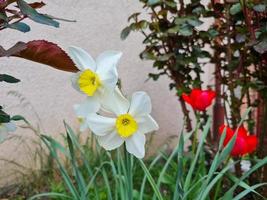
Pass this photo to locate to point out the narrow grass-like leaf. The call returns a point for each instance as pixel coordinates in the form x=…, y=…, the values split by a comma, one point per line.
x=165, y=167
x=243, y=185
x=244, y=176
x=219, y=157
x=49, y=194
x=247, y=191
x=199, y=149
x=153, y=163
x=179, y=193
x=63, y=171
x=77, y=174
x=97, y=171
x=220, y=174
x=151, y=180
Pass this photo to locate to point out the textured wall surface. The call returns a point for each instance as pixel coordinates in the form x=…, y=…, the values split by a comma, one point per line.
x=45, y=96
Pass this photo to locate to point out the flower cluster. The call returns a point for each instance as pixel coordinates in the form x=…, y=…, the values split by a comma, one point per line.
x=244, y=143
x=121, y=120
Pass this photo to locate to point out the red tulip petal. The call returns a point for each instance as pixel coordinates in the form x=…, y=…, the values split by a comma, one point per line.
x=187, y=99
x=202, y=98
x=229, y=133
x=242, y=131
x=251, y=141
x=195, y=93
x=240, y=147
x=212, y=95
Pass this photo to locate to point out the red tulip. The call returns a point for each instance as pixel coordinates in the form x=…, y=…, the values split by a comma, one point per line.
x=199, y=99
x=244, y=143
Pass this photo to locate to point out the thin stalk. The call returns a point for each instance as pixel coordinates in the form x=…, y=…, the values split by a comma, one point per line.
x=194, y=142
x=128, y=175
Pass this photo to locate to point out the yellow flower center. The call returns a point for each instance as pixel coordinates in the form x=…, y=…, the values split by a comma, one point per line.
x=80, y=120
x=126, y=125
x=89, y=82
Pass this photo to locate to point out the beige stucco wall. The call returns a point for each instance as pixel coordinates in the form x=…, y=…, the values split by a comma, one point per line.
x=47, y=93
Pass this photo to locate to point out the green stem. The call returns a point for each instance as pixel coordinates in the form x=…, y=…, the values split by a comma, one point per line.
x=194, y=142
x=128, y=175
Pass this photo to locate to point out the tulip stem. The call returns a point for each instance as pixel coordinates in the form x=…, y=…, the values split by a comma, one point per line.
x=194, y=142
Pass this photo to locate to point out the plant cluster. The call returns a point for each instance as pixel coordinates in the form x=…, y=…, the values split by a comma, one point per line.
x=179, y=48
x=234, y=41
x=12, y=14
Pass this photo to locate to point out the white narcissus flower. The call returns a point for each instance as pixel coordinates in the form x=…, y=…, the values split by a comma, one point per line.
x=132, y=121
x=94, y=77
x=5, y=128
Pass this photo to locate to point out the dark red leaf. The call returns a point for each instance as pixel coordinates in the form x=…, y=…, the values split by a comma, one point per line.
x=48, y=53
x=36, y=5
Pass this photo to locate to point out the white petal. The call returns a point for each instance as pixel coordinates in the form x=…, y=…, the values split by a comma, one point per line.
x=110, y=80
x=140, y=104
x=91, y=105
x=74, y=81
x=83, y=126
x=106, y=62
x=146, y=124
x=115, y=102
x=10, y=126
x=3, y=129
x=81, y=58
x=110, y=141
x=3, y=136
x=100, y=125
x=136, y=144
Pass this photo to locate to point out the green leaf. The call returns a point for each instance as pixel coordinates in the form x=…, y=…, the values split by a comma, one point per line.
x=151, y=180
x=198, y=10
x=236, y=8
x=17, y=118
x=186, y=30
x=8, y=78
x=134, y=16
x=260, y=8
x=3, y=16
x=153, y=2
x=229, y=194
x=147, y=56
x=143, y=24
x=213, y=33
x=51, y=195
x=200, y=147
x=4, y=117
x=171, y=4
x=249, y=190
x=174, y=29
x=155, y=77
x=125, y=32
x=20, y=26
x=165, y=57
x=35, y=16
x=194, y=22
x=261, y=47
